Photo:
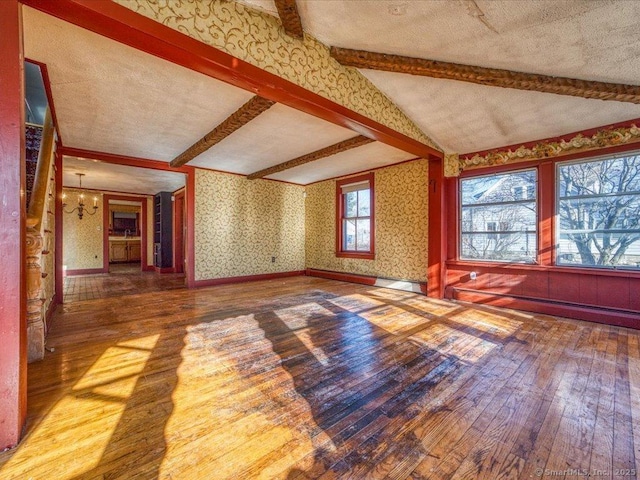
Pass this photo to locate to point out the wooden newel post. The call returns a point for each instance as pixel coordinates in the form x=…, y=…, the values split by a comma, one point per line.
x=35, y=323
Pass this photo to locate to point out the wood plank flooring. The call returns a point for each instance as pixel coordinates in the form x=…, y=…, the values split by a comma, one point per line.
x=122, y=279
x=311, y=378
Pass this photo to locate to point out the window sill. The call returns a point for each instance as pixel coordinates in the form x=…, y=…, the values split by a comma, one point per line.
x=360, y=255
x=603, y=272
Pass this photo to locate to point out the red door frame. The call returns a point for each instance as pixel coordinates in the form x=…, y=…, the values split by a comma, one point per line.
x=154, y=165
x=178, y=231
x=13, y=299
x=144, y=265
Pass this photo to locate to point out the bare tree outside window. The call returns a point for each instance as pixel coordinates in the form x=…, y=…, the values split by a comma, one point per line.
x=498, y=217
x=599, y=213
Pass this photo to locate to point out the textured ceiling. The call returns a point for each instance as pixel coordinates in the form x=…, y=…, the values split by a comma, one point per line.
x=112, y=98
x=277, y=135
x=118, y=178
x=588, y=39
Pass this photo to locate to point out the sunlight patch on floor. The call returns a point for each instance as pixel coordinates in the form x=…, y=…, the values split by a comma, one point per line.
x=71, y=439
x=356, y=303
x=451, y=342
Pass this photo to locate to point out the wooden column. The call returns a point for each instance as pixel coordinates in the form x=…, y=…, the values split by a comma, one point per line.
x=13, y=329
x=437, y=229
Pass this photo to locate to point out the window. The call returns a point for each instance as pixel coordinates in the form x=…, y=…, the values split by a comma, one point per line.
x=499, y=217
x=355, y=217
x=599, y=213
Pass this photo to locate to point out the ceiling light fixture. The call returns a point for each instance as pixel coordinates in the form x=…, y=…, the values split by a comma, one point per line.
x=81, y=207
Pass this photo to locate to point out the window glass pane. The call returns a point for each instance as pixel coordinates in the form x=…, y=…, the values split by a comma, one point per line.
x=351, y=204
x=499, y=217
x=364, y=203
x=349, y=232
x=363, y=233
x=599, y=213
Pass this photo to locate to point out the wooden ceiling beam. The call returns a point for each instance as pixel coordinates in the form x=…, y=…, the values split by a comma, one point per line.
x=290, y=18
x=233, y=122
x=313, y=156
x=493, y=77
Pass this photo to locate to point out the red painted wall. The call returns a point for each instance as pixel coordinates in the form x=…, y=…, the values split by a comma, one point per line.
x=599, y=295
x=13, y=329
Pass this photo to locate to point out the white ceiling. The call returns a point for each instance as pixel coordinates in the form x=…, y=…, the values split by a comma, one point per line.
x=275, y=136
x=118, y=178
x=115, y=99
x=588, y=39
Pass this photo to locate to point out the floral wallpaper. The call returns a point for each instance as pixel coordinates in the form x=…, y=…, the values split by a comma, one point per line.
x=82, y=239
x=259, y=39
x=241, y=224
x=401, y=229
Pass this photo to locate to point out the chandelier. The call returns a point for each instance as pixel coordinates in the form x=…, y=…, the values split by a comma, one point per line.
x=81, y=206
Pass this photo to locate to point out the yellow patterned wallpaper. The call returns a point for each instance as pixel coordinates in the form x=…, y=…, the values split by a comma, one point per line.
x=241, y=224
x=82, y=239
x=401, y=201
x=259, y=39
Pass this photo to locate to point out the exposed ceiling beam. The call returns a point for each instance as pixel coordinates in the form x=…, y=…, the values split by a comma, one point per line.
x=487, y=76
x=233, y=122
x=313, y=156
x=290, y=18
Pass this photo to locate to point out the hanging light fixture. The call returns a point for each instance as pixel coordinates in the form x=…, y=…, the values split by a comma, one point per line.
x=81, y=206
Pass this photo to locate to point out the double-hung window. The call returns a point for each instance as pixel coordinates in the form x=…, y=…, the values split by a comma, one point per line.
x=499, y=217
x=598, y=213
x=355, y=217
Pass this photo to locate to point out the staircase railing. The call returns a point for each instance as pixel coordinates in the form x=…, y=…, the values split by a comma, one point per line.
x=36, y=328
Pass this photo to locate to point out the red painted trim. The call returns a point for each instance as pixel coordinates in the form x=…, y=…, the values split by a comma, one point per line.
x=85, y=271
x=366, y=171
x=105, y=228
x=585, y=133
x=599, y=315
x=546, y=200
x=191, y=227
x=47, y=88
x=13, y=299
x=370, y=255
x=111, y=192
x=437, y=239
x=245, y=176
x=122, y=159
x=123, y=25
x=355, y=278
x=248, y=278
x=59, y=227
x=178, y=229
x=341, y=276
x=523, y=267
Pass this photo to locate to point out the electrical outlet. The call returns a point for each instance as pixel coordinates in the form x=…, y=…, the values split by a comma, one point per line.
x=473, y=275
x=273, y=259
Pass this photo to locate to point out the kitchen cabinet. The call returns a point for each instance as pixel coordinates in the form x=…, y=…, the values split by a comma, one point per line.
x=124, y=251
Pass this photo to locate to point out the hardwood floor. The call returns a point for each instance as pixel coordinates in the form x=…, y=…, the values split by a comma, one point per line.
x=122, y=279
x=311, y=378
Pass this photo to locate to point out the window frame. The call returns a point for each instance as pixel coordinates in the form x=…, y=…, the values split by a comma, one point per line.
x=340, y=210
x=558, y=164
x=535, y=199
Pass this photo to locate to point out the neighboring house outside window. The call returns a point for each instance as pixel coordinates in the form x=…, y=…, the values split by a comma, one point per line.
x=355, y=217
x=499, y=217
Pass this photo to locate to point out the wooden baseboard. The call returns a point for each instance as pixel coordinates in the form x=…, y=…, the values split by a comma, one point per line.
x=85, y=271
x=608, y=316
x=248, y=278
x=355, y=278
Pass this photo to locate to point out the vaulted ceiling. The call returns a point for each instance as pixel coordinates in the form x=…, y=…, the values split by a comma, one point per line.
x=112, y=98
